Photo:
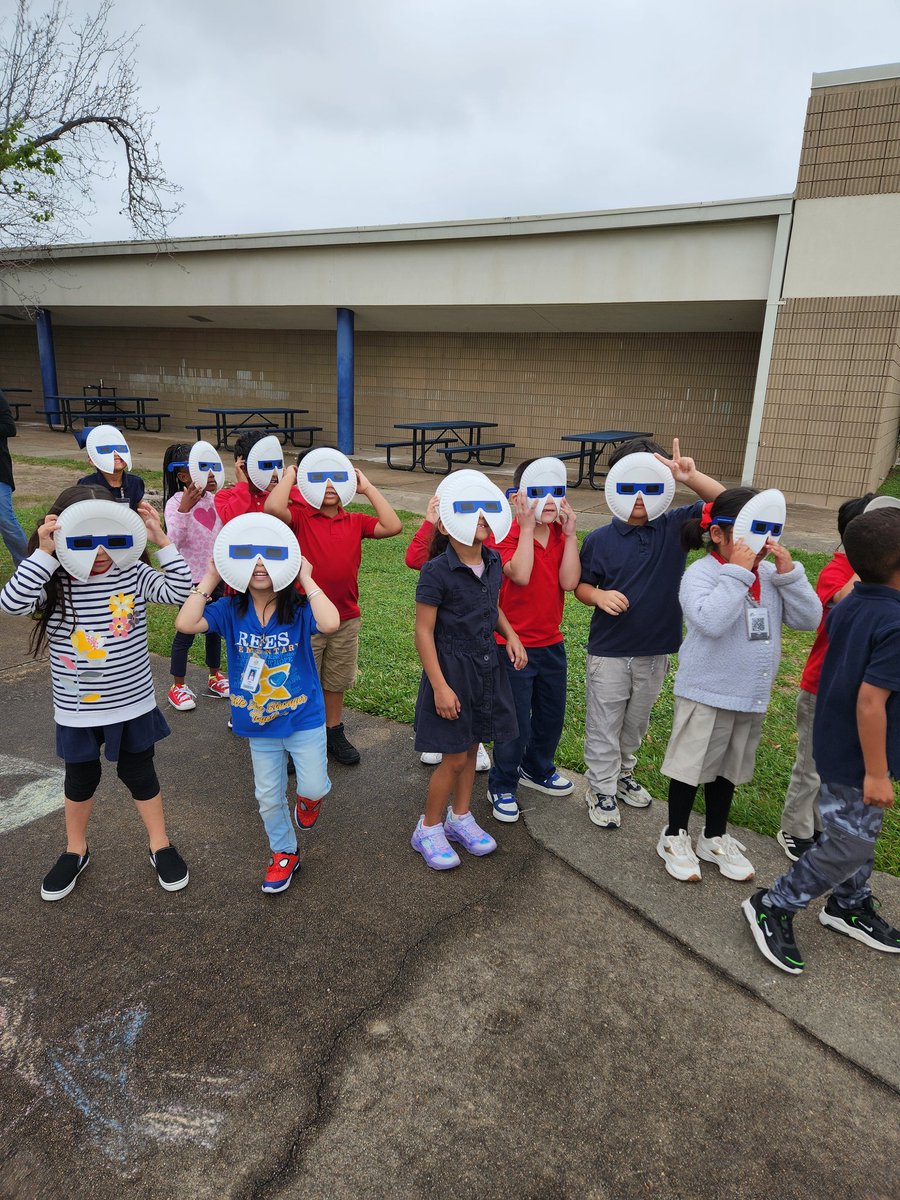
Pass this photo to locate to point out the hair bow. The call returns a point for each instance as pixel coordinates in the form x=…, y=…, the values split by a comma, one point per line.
x=706, y=515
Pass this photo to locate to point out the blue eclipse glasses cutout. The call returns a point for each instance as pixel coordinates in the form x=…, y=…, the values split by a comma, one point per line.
x=773, y=527
x=649, y=489
x=111, y=449
x=176, y=466
x=92, y=541
x=271, y=464
x=546, y=489
x=272, y=553
x=470, y=506
x=209, y=466
x=324, y=476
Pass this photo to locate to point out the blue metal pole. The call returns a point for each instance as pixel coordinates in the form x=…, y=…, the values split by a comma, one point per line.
x=47, y=357
x=345, y=429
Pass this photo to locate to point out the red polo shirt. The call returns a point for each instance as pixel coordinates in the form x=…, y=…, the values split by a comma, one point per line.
x=535, y=611
x=833, y=576
x=333, y=546
x=243, y=498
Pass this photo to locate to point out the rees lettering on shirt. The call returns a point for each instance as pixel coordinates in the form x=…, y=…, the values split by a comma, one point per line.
x=271, y=641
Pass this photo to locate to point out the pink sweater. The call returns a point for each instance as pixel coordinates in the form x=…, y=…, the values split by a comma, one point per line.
x=194, y=532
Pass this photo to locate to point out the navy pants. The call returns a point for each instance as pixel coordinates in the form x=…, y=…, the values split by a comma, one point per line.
x=539, y=694
x=182, y=642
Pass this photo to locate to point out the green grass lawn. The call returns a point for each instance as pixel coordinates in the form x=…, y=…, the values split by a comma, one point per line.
x=389, y=678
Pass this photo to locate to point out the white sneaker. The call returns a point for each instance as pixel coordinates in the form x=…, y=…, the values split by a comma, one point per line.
x=603, y=810
x=725, y=852
x=630, y=792
x=482, y=761
x=182, y=698
x=430, y=758
x=678, y=855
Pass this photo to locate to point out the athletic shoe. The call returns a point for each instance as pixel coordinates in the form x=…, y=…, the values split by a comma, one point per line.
x=678, y=854
x=482, y=759
x=773, y=932
x=63, y=875
x=291, y=769
x=430, y=758
x=170, y=868
x=217, y=684
x=864, y=924
x=340, y=749
x=230, y=724
x=181, y=697
x=630, y=792
x=553, y=785
x=432, y=844
x=306, y=812
x=468, y=833
x=281, y=870
x=794, y=847
x=504, y=806
x=725, y=852
x=603, y=810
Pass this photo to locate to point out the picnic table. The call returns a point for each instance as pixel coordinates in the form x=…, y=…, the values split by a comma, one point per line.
x=456, y=440
x=128, y=411
x=15, y=405
x=592, y=448
x=98, y=389
x=231, y=422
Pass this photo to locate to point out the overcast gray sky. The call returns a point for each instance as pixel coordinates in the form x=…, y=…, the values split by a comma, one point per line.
x=299, y=114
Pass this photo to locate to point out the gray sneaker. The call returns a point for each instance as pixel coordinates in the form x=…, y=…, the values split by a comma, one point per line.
x=630, y=792
x=603, y=810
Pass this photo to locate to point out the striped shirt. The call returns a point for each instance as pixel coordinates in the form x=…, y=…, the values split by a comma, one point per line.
x=99, y=660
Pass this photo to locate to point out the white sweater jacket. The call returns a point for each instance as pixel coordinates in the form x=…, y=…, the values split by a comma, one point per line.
x=718, y=665
x=99, y=662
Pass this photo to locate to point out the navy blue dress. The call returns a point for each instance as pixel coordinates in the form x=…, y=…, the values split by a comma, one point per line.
x=470, y=658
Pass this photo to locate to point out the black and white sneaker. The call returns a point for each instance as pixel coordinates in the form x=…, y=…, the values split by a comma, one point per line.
x=864, y=924
x=170, y=868
x=63, y=875
x=773, y=932
x=794, y=847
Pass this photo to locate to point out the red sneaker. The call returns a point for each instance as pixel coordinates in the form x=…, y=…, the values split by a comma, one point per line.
x=281, y=872
x=217, y=684
x=307, y=812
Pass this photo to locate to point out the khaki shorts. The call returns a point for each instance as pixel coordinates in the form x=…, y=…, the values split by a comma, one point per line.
x=337, y=655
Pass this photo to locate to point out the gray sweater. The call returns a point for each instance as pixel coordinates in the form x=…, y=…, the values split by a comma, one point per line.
x=718, y=664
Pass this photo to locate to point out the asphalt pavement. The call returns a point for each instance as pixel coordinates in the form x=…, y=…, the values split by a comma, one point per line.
x=558, y=1019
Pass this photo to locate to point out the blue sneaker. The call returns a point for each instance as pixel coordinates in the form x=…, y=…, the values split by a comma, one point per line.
x=468, y=833
x=554, y=785
x=504, y=806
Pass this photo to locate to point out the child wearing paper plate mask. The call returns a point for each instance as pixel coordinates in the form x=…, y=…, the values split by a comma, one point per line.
x=87, y=586
x=109, y=453
x=630, y=572
x=734, y=605
x=464, y=693
x=257, y=470
x=332, y=538
x=276, y=698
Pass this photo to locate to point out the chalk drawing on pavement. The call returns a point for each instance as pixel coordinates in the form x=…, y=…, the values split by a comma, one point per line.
x=34, y=799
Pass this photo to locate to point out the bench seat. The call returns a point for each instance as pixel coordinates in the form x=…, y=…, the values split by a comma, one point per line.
x=475, y=451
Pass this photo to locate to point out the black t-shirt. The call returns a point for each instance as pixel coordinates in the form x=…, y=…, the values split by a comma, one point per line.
x=7, y=430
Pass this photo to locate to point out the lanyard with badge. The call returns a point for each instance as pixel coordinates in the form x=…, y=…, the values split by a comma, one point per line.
x=757, y=617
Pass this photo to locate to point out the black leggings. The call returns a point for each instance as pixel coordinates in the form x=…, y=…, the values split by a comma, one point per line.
x=719, y=794
x=136, y=771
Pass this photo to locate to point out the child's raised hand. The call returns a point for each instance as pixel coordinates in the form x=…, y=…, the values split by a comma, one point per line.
x=446, y=702
x=212, y=578
x=524, y=510
x=190, y=496
x=516, y=652
x=150, y=517
x=781, y=555
x=742, y=555
x=362, y=483
x=433, y=511
x=679, y=464
x=306, y=576
x=46, y=531
x=614, y=603
x=240, y=471
x=567, y=517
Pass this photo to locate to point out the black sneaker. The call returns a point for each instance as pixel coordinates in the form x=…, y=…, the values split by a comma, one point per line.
x=170, y=868
x=340, y=749
x=291, y=769
x=773, y=932
x=794, y=847
x=63, y=875
x=863, y=923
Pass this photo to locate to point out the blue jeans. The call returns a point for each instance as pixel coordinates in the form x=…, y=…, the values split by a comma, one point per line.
x=308, y=749
x=10, y=530
x=539, y=694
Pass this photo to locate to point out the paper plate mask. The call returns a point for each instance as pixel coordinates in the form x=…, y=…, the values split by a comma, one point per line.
x=543, y=480
x=465, y=497
x=253, y=537
x=265, y=458
x=761, y=518
x=203, y=459
x=639, y=474
x=321, y=467
x=86, y=526
x=103, y=443
x=438, y=491
x=882, y=502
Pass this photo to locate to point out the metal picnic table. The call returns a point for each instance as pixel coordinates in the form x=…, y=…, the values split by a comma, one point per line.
x=15, y=405
x=230, y=422
x=449, y=437
x=129, y=411
x=592, y=448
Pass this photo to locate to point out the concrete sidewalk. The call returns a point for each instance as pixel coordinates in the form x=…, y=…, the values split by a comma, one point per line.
x=559, y=1019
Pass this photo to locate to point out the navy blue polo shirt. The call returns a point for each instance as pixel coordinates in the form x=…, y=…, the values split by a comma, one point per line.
x=645, y=563
x=863, y=647
x=131, y=491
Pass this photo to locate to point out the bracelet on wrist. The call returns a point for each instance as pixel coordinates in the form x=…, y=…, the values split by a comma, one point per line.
x=195, y=591
x=314, y=592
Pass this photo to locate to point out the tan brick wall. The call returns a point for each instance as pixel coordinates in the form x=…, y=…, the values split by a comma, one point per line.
x=851, y=141
x=833, y=401
x=536, y=386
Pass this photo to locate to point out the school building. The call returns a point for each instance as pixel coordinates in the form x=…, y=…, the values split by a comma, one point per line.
x=763, y=332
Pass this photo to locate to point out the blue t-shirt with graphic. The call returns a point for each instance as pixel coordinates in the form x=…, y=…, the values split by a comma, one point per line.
x=275, y=689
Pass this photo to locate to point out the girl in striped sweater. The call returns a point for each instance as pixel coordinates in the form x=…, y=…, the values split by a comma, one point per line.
x=96, y=633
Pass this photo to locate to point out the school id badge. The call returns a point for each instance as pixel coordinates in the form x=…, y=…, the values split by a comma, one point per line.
x=758, y=624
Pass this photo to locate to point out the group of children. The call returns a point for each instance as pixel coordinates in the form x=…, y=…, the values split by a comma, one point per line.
x=274, y=563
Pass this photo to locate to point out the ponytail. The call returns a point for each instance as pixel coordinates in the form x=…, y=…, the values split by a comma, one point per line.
x=726, y=506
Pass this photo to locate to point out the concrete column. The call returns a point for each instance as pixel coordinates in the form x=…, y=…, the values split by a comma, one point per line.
x=44, y=327
x=345, y=430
